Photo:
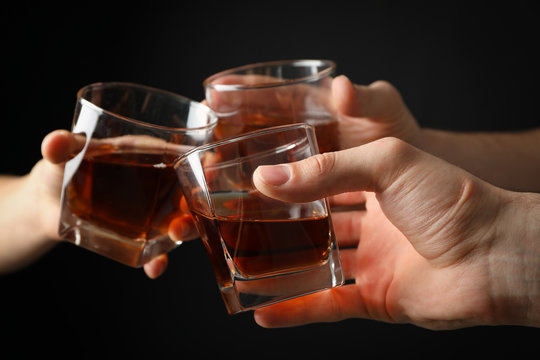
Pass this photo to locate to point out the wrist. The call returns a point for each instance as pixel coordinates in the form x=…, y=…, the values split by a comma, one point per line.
x=22, y=239
x=514, y=262
x=43, y=201
x=433, y=141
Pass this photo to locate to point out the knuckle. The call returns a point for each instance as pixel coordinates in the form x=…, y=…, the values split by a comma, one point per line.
x=382, y=84
x=389, y=97
x=385, y=87
x=321, y=163
x=397, y=158
x=394, y=147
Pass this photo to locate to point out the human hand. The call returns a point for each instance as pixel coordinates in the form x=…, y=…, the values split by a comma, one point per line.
x=368, y=113
x=505, y=159
x=248, y=102
x=365, y=113
x=58, y=147
x=432, y=249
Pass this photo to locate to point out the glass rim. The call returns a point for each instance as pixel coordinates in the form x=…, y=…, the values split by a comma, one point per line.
x=215, y=144
x=329, y=69
x=212, y=121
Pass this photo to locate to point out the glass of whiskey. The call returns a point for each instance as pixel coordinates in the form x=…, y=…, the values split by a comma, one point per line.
x=262, y=250
x=120, y=192
x=274, y=93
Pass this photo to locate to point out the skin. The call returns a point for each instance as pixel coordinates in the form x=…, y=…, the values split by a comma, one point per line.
x=31, y=205
x=438, y=246
x=442, y=266
x=368, y=113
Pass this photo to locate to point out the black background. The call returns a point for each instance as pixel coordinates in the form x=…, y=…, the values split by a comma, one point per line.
x=458, y=67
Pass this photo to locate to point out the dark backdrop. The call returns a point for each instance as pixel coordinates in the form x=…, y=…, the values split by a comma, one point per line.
x=458, y=66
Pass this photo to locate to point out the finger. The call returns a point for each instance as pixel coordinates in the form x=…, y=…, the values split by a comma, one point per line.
x=240, y=81
x=353, y=201
x=61, y=145
x=326, y=306
x=141, y=142
x=350, y=198
x=349, y=263
x=183, y=229
x=445, y=199
x=156, y=267
x=228, y=94
x=371, y=167
x=379, y=100
x=347, y=227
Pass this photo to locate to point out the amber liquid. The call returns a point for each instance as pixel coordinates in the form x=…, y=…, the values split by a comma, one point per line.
x=326, y=130
x=258, y=243
x=132, y=194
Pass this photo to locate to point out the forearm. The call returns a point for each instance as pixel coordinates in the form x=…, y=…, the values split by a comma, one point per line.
x=508, y=160
x=21, y=239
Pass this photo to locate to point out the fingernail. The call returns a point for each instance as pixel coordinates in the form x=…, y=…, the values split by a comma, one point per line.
x=276, y=175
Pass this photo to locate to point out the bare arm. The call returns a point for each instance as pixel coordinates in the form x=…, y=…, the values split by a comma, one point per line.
x=366, y=113
x=22, y=238
x=30, y=209
x=510, y=160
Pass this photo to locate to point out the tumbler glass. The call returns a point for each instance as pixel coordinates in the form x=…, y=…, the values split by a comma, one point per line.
x=262, y=250
x=275, y=93
x=120, y=192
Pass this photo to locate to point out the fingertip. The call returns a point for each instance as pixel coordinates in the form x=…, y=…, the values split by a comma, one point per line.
x=272, y=181
x=310, y=179
x=183, y=229
x=340, y=80
x=260, y=319
x=339, y=88
x=278, y=315
x=56, y=146
x=288, y=313
x=273, y=175
x=344, y=95
x=156, y=267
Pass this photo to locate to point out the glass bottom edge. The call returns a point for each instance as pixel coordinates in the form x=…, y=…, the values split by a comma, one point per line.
x=249, y=294
x=128, y=251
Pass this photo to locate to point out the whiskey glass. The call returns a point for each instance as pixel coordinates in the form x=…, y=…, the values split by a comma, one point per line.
x=274, y=93
x=120, y=192
x=262, y=250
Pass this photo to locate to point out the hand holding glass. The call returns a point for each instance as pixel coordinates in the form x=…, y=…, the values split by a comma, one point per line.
x=262, y=250
x=120, y=193
x=262, y=95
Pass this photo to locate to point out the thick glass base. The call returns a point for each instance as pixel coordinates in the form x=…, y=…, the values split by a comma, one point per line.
x=249, y=294
x=128, y=251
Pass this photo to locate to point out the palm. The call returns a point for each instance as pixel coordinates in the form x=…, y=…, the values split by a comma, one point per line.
x=393, y=282
x=380, y=252
x=373, y=263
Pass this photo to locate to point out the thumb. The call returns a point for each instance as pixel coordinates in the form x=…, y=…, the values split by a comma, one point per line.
x=61, y=145
x=371, y=167
x=436, y=205
x=368, y=113
x=380, y=100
